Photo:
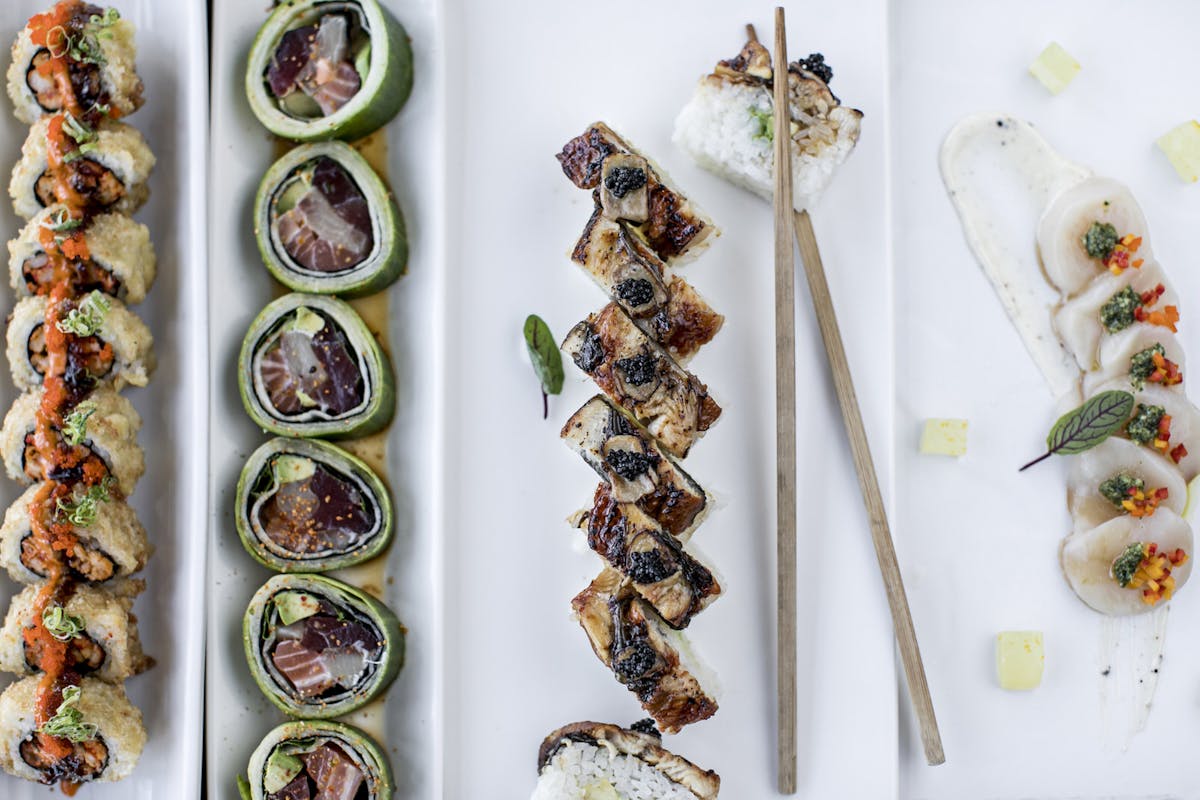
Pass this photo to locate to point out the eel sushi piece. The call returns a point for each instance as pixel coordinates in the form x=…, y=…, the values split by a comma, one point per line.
x=667, y=309
x=1129, y=565
x=304, y=505
x=319, y=759
x=627, y=457
x=93, y=733
x=108, y=253
x=320, y=648
x=727, y=126
x=75, y=57
x=642, y=378
x=99, y=443
x=666, y=576
x=642, y=652
x=597, y=761
x=96, y=168
x=107, y=343
x=110, y=542
x=101, y=634
x=309, y=366
x=674, y=228
x=323, y=69
x=327, y=224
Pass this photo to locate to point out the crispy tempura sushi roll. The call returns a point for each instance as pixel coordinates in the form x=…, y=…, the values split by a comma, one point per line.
x=307, y=506
x=625, y=455
x=674, y=227
x=77, y=45
x=109, y=344
x=101, y=635
x=110, y=541
x=644, y=655
x=318, y=758
x=98, y=734
x=100, y=440
x=321, y=69
x=309, y=366
x=115, y=258
x=642, y=378
x=318, y=647
x=327, y=224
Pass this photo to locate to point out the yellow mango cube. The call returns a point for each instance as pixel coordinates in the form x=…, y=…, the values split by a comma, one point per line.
x=1181, y=145
x=1054, y=67
x=944, y=437
x=1020, y=660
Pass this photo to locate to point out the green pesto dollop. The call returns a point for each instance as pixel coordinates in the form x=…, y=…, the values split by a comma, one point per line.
x=1141, y=366
x=1100, y=240
x=1119, y=487
x=1118, y=313
x=1126, y=564
x=1143, y=428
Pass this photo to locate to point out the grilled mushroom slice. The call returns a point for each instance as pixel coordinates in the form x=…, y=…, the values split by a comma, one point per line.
x=327, y=224
x=318, y=647
x=310, y=367
x=318, y=758
x=308, y=506
x=322, y=69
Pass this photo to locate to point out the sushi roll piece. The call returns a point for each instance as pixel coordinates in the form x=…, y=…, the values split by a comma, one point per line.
x=1118, y=478
x=108, y=253
x=671, y=580
x=728, y=127
x=319, y=648
x=1114, y=303
x=626, y=456
x=1093, y=228
x=1139, y=356
x=98, y=441
x=638, y=375
x=321, y=69
x=318, y=758
x=309, y=366
x=107, y=344
x=675, y=229
x=101, y=635
x=327, y=224
x=76, y=57
x=64, y=159
x=597, y=761
x=1164, y=423
x=92, y=733
x=304, y=505
x=643, y=653
x=1129, y=565
x=667, y=309
x=109, y=543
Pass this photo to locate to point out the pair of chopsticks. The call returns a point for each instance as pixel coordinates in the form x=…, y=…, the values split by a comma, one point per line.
x=788, y=221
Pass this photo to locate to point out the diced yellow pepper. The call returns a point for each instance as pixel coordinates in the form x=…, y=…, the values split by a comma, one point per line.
x=1181, y=145
x=1020, y=660
x=944, y=437
x=1054, y=67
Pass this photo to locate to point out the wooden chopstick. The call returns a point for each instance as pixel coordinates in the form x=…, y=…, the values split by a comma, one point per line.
x=785, y=421
x=868, y=482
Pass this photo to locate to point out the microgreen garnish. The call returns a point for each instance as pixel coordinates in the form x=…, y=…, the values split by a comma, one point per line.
x=1088, y=425
x=82, y=512
x=58, y=41
x=88, y=317
x=78, y=130
x=766, y=123
x=67, y=721
x=60, y=624
x=61, y=221
x=546, y=359
x=74, y=428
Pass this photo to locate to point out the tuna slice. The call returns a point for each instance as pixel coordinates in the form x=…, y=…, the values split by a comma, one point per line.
x=304, y=668
x=329, y=228
x=335, y=775
x=318, y=372
x=290, y=59
x=296, y=790
x=321, y=513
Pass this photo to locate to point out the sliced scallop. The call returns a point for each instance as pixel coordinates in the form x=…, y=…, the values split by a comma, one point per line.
x=1185, y=423
x=1118, y=349
x=1112, y=457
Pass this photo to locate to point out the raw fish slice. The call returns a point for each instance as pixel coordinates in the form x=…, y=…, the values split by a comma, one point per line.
x=1185, y=423
x=1112, y=457
x=1078, y=320
x=1118, y=349
x=1087, y=559
x=1067, y=220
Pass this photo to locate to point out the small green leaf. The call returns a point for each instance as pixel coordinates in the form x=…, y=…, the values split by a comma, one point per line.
x=88, y=318
x=1087, y=426
x=61, y=625
x=81, y=511
x=67, y=721
x=74, y=428
x=546, y=359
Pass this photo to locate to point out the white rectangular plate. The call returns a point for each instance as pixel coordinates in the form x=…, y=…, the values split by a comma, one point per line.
x=171, y=499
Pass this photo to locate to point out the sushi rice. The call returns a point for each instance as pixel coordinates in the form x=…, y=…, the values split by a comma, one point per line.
x=583, y=771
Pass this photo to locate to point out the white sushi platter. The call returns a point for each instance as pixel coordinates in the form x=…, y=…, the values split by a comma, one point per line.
x=485, y=557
